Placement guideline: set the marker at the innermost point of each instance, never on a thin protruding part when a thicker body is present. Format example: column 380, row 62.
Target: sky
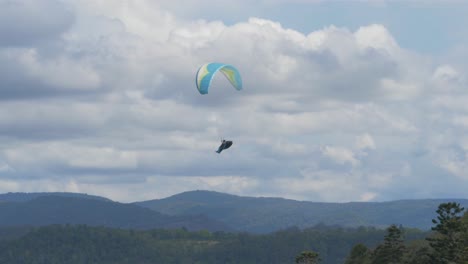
column 343, row 100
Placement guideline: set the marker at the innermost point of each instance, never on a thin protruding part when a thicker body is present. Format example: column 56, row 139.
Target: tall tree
column 448, row 239
column 392, row 249
column 308, row 257
column 464, row 254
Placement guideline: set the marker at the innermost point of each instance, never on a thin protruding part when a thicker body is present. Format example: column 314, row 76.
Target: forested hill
column 83, row 244
column 50, row 209
column 212, row 211
column 262, row 215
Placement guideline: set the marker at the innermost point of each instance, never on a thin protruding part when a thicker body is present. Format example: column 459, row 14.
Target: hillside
column 269, row 214
column 83, row 244
column 212, row 211
column 47, row 210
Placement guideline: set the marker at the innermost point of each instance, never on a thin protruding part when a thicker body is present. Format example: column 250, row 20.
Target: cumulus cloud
column 100, row 95
column 445, row 73
column 340, row 155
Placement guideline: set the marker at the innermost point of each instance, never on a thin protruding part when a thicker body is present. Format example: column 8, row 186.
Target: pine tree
column 447, row 241
column 392, row 250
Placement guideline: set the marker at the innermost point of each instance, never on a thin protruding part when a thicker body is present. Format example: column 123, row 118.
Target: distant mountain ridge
column 24, row 197
column 49, row 209
column 262, row 215
column 213, row 211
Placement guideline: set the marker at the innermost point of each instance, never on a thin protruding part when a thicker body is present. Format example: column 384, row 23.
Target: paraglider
column 206, row 73
column 225, row 144
column 204, row 77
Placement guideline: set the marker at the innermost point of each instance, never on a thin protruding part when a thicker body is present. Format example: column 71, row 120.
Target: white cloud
column 364, row 142
column 340, row 155
column 103, row 158
column 399, row 91
column 376, row 37
column 325, row 185
column 457, row 168
column 60, row 72
column 455, row 162
column 445, row 73
column 368, row 196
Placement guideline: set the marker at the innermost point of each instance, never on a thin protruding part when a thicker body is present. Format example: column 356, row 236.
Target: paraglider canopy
column 207, row 72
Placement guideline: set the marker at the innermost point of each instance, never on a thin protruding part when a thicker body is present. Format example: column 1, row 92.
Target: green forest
column 447, row 242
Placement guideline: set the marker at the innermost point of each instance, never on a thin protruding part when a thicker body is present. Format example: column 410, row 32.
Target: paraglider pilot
column 224, row 145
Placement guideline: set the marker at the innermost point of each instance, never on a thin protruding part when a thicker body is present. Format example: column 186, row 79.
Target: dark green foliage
column 83, row 244
column 464, row 240
column 308, row 257
column 392, row 250
column 417, row 252
column 447, row 244
column 14, row 232
column 360, row 254
column 448, row 241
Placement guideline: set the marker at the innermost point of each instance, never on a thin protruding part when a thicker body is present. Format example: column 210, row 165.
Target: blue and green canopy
column 207, row 72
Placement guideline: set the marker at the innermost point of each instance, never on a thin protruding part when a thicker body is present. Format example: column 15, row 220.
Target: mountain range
column 213, row 211
column 263, row 214
column 42, row 209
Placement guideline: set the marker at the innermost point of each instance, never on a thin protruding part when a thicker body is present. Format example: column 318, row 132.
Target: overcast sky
column 342, row 101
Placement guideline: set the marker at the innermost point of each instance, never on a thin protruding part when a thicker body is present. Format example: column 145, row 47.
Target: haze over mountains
column 213, row 211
